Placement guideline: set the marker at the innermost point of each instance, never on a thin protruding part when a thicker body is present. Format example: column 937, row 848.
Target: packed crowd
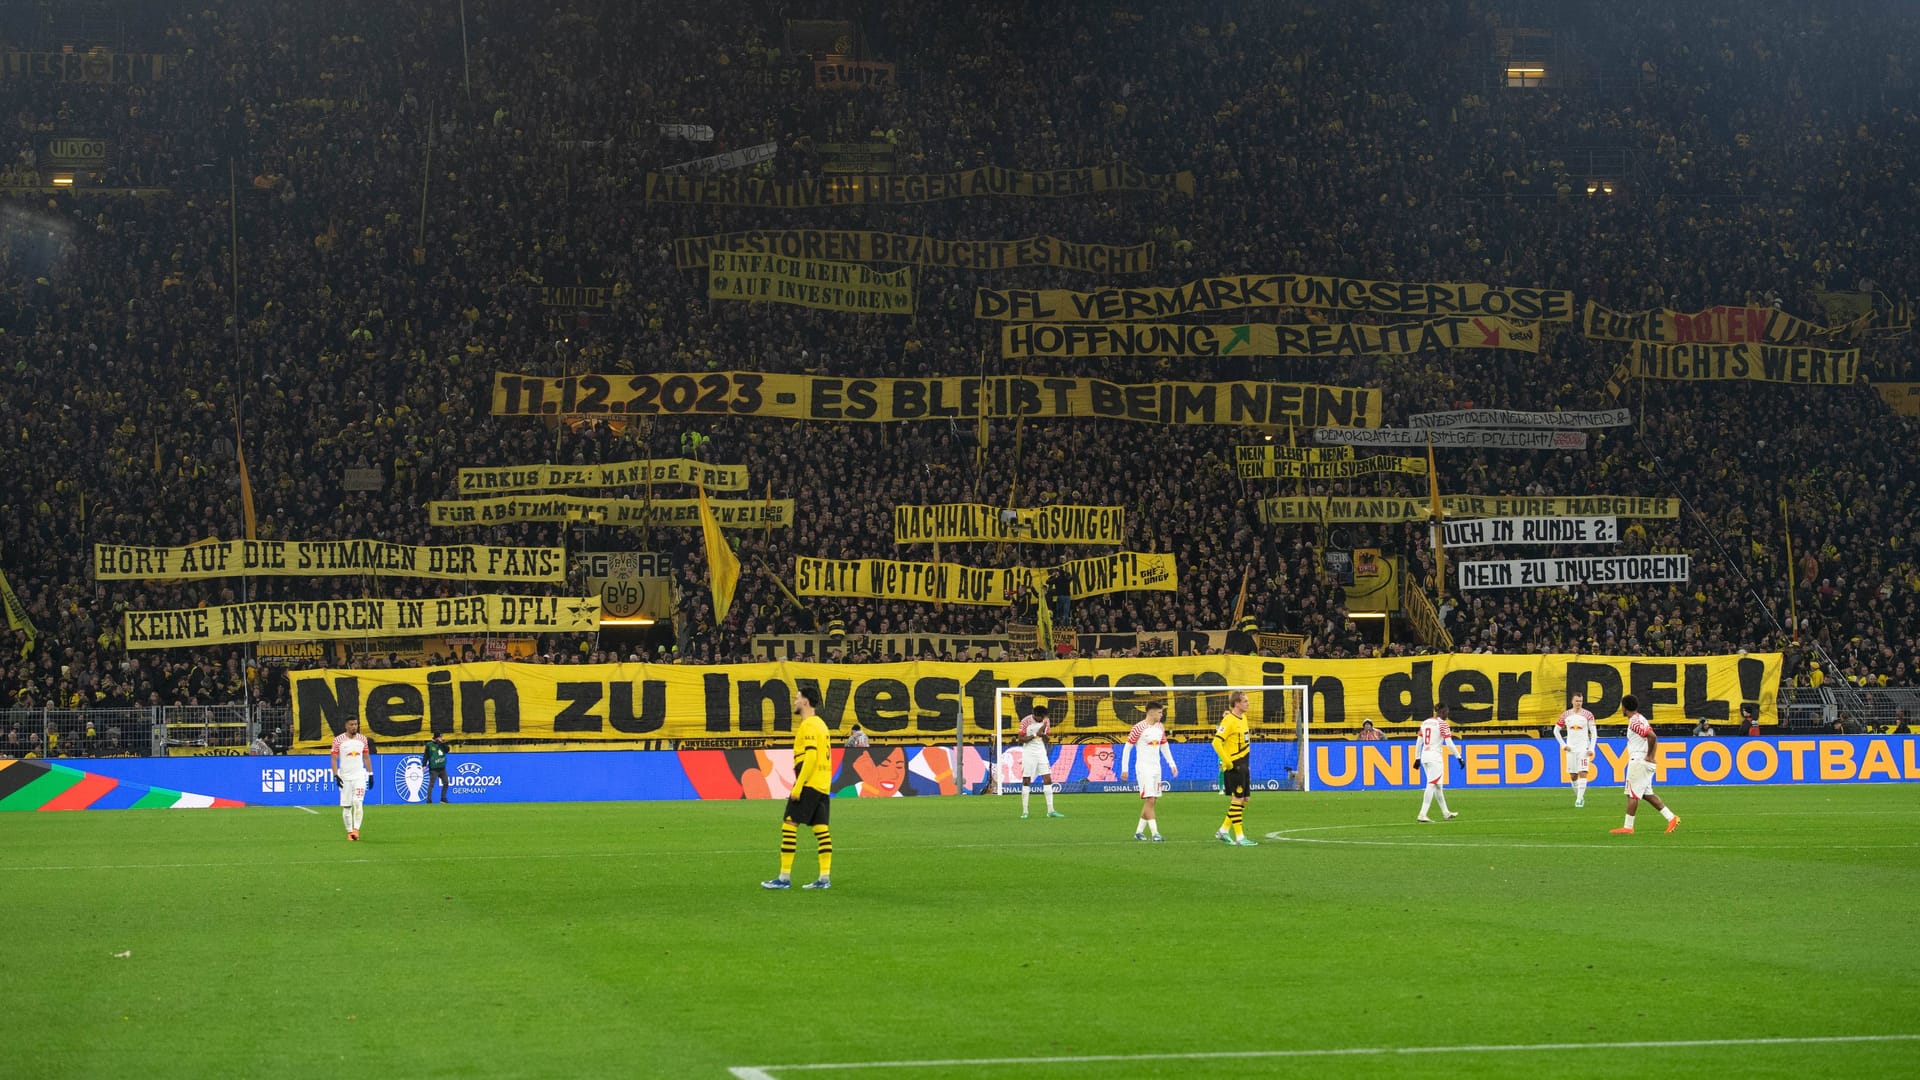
column 398, row 206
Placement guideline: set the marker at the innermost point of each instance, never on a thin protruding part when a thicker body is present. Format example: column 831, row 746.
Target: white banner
column 1452, row 437
column 1479, row 532
column 1546, row 573
column 732, row 159
column 1507, row 418
column 689, row 132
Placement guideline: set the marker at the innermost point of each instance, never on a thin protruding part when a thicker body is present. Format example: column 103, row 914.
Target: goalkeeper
column 1235, row 747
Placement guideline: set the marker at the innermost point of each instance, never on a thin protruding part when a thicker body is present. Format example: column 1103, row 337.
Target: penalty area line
column 767, row 1072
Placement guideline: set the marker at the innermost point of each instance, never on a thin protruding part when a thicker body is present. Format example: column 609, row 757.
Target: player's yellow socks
column 1227, row 822
column 824, row 837
column 1236, row 817
column 789, row 840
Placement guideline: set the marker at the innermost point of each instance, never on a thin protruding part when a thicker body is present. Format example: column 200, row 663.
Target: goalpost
column 1278, row 722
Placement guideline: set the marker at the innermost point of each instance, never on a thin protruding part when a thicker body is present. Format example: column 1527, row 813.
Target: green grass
column 634, row 940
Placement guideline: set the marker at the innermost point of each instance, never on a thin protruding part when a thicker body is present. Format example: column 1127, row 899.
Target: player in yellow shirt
column 810, row 799
column 1235, row 747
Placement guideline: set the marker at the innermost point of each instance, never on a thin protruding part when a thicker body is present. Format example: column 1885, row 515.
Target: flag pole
column 247, row 671
column 1793, row 601
column 1435, row 518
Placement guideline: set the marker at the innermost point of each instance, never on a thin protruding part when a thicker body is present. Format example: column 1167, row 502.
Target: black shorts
column 809, row 809
column 1237, row 781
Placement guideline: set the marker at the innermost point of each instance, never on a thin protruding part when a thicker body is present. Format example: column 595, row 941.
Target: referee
column 808, row 805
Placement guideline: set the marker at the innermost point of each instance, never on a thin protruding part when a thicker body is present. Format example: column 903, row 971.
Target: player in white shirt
column 1642, row 743
column 1150, row 735
column 1033, row 759
column 1574, row 732
column 352, row 770
column 1436, row 745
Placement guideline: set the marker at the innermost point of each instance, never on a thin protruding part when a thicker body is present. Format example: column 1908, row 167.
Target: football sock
column 1026, row 797
column 1440, row 796
column 1580, row 789
column 789, row 839
column 346, row 817
column 824, row 837
column 1226, row 823
column 1154, row 824
column 1426, row 800
column 1629, row 823
column 359, row 814
column 1140, row 826
column 1237, row 815
column 1667, row 813
column 1048, row 788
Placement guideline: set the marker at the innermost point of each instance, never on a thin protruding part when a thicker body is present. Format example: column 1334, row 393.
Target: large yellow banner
column 1267, row 339
column 904, row 189
column 323, row 558
column 1799, row 365
column 616, row 474
column 1207, row 296
column 1333, row 510
column 1722, row 325
column 948, row 523
column 732, row 514
column 869, row 246
column 951, row 583
column 1258, row 468
column 960, row 397
column 506, row 704
column 1901, row 397
column 321, row 620
column 809, row 283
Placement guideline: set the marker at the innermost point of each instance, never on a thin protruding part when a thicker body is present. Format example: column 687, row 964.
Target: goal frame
column 1301, row 710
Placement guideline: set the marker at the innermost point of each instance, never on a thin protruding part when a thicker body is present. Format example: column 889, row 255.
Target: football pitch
column 1772, row 936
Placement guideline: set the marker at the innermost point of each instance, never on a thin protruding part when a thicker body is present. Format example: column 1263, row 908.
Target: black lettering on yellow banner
column 327, row 558
column 620, row 474
column 1797, row 365
column 819, row 397
column 954, row 523
column 1329, row 510
column 810, row 283
column 1330, row 470
column 1723, row 325
column 952, row 583
column 1207, row 296
column 868, row 246
column 902, row 189
column 321, row 620
column 684, row 513
column 506, row 703
column 1266, row 339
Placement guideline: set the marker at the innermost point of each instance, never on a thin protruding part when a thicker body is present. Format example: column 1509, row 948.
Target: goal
column 1091, row 722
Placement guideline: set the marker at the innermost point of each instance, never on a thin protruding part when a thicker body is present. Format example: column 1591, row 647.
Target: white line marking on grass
column 308, row 809
column 766, row 1072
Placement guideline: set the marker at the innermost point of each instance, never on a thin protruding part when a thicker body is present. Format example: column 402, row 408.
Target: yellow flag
column 1439, row 548
column 723, row 567
column 246, row 484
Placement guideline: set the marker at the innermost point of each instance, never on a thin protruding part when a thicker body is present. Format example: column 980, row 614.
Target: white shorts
column 351, row 788
column 1640, row 778
column 1149, row 784
column 1435, row 766
column 1577, row 762
column 1033, row 762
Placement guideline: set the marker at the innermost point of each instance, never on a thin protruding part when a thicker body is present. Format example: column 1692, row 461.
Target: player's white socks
column 1426, row 800
column 346, row 817
column 1580, row 790
column 1026, row 796
column 1154, row 824
column 1666, row 813
column 1048, row 788
column 359, row 814
column 1440, row 796
column 1629, row 823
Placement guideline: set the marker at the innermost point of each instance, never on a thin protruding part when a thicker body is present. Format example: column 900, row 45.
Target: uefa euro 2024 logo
column 412, row 780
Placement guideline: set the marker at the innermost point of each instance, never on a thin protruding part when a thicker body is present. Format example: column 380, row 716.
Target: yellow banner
column 503, row 703
column 1314, row 455
column 619, row 474
column 960, row 397
column 321, row 620
column 1281, row 469
column 325, row 558
column 1799, row 365
column 949, row 523
column 1207, row 296
column 868, row 246
column 1332, row 510
column 809, row 283
column 838, row 73
column 951, row 583
column 1266, row 339
column 1901, row 397
column 1722, row 325
column 905, row 189
column 732, row 514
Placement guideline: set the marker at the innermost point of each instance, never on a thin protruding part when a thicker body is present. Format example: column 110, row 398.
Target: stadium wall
column 599, row 776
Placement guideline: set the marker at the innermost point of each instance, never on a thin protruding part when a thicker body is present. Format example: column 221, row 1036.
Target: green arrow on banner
column 1242, row 335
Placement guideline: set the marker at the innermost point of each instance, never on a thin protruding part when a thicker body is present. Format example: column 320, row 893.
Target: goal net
column 1091, row 724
